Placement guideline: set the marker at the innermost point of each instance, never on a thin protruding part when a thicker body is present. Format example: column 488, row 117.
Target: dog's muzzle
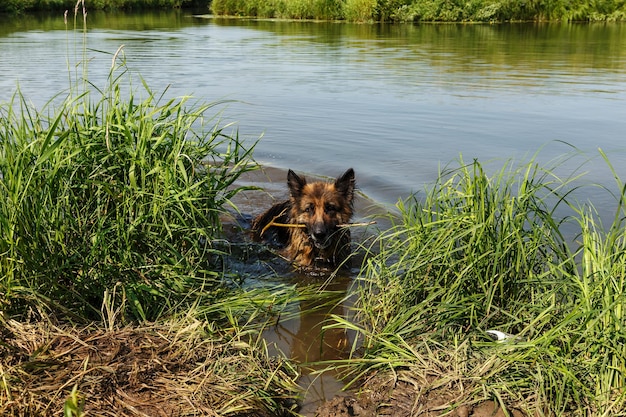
column 320, row 236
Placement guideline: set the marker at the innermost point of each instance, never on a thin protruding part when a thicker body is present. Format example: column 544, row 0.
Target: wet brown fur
column 321, row 207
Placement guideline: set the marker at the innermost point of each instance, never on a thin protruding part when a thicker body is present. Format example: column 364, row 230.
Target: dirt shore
column 403, row 396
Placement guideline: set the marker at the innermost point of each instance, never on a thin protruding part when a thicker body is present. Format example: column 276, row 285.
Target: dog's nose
column 319, row 232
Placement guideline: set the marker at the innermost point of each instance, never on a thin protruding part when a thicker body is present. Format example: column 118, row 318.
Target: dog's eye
column 309, row 209
column 330, row 208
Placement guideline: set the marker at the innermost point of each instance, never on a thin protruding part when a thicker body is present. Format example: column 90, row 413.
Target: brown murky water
column 307, row 342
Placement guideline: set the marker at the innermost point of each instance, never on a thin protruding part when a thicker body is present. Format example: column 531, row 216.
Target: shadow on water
column 301, row 334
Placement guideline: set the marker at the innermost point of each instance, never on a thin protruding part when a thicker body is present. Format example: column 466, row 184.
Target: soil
column 168, row 369
column 381, row 396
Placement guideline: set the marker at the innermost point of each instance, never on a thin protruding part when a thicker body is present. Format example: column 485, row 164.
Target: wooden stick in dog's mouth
column 300, row 225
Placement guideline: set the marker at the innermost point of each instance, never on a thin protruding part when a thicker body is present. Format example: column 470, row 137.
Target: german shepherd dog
column 315, row 214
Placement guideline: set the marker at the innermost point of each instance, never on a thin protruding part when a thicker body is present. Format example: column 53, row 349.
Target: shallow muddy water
column 395, row 102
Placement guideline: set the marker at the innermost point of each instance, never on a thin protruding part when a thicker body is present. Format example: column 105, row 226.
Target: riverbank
column 425, row 10
column 174, row 367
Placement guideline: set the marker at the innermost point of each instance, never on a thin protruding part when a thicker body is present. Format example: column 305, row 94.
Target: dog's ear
column 295, row 183
column 345, row 184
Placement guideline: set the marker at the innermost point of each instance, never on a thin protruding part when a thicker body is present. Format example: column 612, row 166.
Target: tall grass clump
column 359, row 10
column 471, row 248
column 598, row 299
column 480, row 253
column 112, row 191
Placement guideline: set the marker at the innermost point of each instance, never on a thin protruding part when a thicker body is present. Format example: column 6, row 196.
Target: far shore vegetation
column 426, row 10
column 365, row 10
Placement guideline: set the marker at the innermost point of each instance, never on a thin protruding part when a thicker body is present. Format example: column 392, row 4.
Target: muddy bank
column 166, row 369
column 404, row 395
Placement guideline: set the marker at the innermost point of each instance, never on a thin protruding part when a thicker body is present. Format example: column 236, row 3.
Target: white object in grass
column 499, row 336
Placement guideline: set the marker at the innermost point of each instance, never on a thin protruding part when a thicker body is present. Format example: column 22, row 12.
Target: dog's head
column 322, row 206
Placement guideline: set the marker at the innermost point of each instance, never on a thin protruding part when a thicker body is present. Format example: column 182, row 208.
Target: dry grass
column 172, row 369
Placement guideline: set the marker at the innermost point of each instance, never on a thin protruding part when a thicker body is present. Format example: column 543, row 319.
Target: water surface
column 393, row 101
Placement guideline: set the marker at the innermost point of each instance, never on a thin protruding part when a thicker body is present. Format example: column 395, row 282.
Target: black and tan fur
column 321, row 207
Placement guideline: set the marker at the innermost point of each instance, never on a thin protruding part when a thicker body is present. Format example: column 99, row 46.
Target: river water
column 395, row 102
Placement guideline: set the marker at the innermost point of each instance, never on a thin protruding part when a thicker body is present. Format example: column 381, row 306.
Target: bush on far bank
column 425, row 10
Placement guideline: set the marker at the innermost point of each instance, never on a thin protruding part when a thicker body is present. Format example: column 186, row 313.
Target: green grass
column 105, row 190
column 479, row 252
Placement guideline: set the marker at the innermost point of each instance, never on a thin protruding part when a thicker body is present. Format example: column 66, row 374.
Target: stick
column 273, row 223
column 270, row 224
column 356, row 224
column 299, row 225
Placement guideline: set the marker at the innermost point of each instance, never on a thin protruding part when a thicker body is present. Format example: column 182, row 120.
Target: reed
column 474, row 244
column 598, row 289
column 480, row 252
column 97, row 192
